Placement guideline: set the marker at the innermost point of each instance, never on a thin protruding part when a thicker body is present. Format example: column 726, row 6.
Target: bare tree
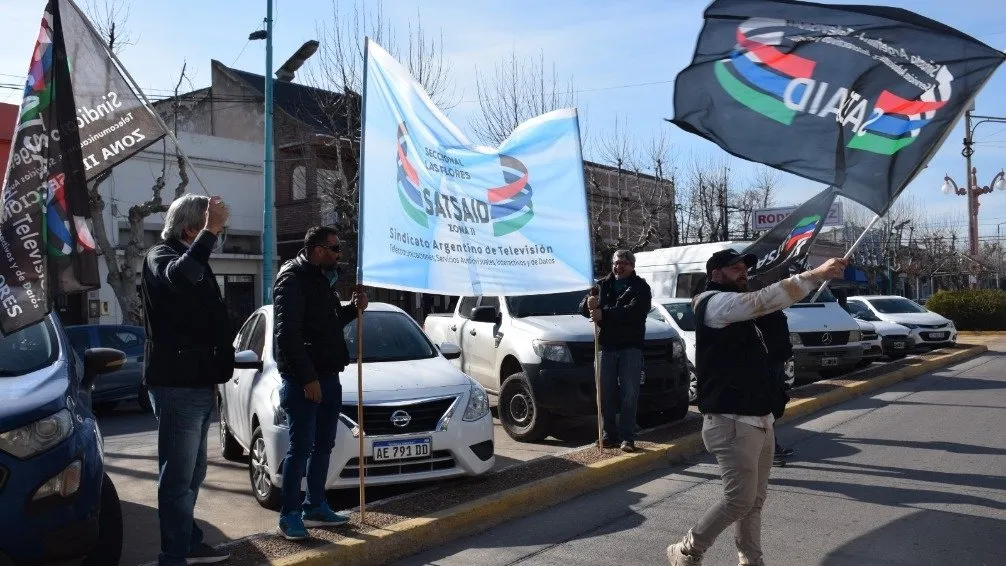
column 764, row 181
column 336, row 73
column 517, row 90
column 122, row 273
column 110, row 18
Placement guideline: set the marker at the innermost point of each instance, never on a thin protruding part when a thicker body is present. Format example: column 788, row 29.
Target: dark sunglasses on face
column 336, row 248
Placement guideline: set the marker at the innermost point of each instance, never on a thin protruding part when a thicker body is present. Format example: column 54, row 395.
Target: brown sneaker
column 677, row 557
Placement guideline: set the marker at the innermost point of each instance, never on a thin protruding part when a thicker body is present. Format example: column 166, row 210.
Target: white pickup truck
column 535, row 355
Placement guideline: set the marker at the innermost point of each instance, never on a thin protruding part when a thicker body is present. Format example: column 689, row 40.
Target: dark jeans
column 312, row 436
column 621, row 372
column 183, row 419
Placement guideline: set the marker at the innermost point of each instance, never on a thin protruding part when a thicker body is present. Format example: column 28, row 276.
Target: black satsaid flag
column 857, row 97
column 782, row 251
column 45, row 244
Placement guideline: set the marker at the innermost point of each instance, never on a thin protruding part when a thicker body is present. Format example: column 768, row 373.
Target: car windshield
column 683, row 315
column 896, row 306
column 826, row 297
column 863, row 314
column 545, row 305
column 28, row 349
column 389, row 337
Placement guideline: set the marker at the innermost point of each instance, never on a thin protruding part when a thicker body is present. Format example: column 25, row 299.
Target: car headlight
column 554, row 351
column 63, row 484
column 855, row 336
column 677, row 348
column 794, row 339
column 37, row 437
column 478, row 403
column 279, row 416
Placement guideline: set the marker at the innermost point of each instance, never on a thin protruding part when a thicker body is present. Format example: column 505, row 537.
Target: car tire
column 519, row 412
column 143, row 398
column 229, row 447
column 108, row 549
column 693, row 385
column 265, row 492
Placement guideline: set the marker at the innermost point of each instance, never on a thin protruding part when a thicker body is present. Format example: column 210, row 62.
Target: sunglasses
column 336, row 248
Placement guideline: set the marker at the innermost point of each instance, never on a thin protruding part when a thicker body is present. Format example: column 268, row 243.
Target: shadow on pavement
column 141, row 534
column 967, row 540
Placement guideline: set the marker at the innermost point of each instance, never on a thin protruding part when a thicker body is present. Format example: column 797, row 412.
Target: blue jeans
column 312, row 436
column 621, row 371
column 183, row 419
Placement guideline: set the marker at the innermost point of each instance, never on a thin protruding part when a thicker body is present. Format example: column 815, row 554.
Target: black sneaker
column 609, row 443
column 206, row 554
column 780, row 451
column 628, row 446
column 778, row 462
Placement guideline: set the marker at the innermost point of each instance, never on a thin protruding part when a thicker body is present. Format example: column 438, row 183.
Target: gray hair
column 626, row 255
column 186, row 213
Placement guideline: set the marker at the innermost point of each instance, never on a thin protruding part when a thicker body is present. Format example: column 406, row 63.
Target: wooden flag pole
column 359, row 403
column 594, row 292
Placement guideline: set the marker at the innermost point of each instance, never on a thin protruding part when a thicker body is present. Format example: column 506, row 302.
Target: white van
column 826, row 339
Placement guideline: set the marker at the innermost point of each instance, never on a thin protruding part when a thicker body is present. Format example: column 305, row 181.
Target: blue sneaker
column 323, row 516
column 291, row 527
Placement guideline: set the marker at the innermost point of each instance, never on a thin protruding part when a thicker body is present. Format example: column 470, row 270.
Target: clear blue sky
column 622, row 57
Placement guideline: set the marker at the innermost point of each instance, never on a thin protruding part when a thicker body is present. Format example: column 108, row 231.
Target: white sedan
column 926, row 327
column 423, row 418
column 678, row 313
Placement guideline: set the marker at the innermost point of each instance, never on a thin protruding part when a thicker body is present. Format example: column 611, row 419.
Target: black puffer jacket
column 309, row 321
column 623, row 315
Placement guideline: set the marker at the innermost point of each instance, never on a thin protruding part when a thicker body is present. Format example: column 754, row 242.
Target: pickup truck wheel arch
column 522, row 418
column 510, row 366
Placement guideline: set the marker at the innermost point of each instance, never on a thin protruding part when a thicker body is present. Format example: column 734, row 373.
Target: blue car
column 126, row 384
column 57, row 505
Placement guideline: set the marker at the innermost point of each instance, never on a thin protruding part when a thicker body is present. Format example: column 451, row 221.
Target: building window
column 299, row 183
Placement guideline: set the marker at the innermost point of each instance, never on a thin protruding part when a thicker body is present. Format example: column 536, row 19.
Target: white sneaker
column 677, row 557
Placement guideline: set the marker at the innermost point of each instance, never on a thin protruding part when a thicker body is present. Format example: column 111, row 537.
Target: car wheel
column 229, row 447
column 143, row 398
column 266, row 493
column 693, row 385
column 789, row 369
column 520, row 414
column 108, row 549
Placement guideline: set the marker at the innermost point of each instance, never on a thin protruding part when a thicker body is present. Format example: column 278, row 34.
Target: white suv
column 926, row 328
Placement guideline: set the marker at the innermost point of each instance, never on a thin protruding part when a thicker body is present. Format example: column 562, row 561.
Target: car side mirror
column 484, row 314
column 247, row 359
column 98, row 361
column 450, row 351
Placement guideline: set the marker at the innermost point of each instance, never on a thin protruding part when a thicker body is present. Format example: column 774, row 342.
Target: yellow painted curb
column 412, row 536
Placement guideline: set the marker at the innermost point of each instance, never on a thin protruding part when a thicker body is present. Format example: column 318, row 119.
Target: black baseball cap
column 727, row 257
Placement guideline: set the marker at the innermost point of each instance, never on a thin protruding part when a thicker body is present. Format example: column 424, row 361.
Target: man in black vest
column 774, row 328
column 188, row 352
column 736, row 395
column 620, row 313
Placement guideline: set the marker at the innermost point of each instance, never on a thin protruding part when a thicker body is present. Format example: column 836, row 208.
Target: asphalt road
column 914, row 475
column 226, row 509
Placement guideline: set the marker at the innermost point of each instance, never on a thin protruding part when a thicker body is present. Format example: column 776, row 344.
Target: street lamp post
column 973, row 190
column 285, row 73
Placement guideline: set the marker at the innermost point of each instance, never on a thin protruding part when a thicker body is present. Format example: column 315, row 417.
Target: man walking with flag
column 736, row 395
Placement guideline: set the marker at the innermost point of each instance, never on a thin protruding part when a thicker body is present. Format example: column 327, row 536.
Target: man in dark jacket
column 619, row 311
column 737, row 395
column 310, row 353
column 188, row 352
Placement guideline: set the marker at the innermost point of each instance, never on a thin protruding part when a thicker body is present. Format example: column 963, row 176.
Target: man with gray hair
column 619, row 310
column 188, row 352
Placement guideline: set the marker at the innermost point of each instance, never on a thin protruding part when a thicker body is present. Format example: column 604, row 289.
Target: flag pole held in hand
column 359, row 401
column 594, row 292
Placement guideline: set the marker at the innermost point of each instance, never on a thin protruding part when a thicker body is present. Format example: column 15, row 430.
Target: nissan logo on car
column 400, row 418
column 825, row 339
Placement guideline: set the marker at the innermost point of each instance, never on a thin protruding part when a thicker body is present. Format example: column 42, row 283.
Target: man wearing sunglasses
column 310, row 352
